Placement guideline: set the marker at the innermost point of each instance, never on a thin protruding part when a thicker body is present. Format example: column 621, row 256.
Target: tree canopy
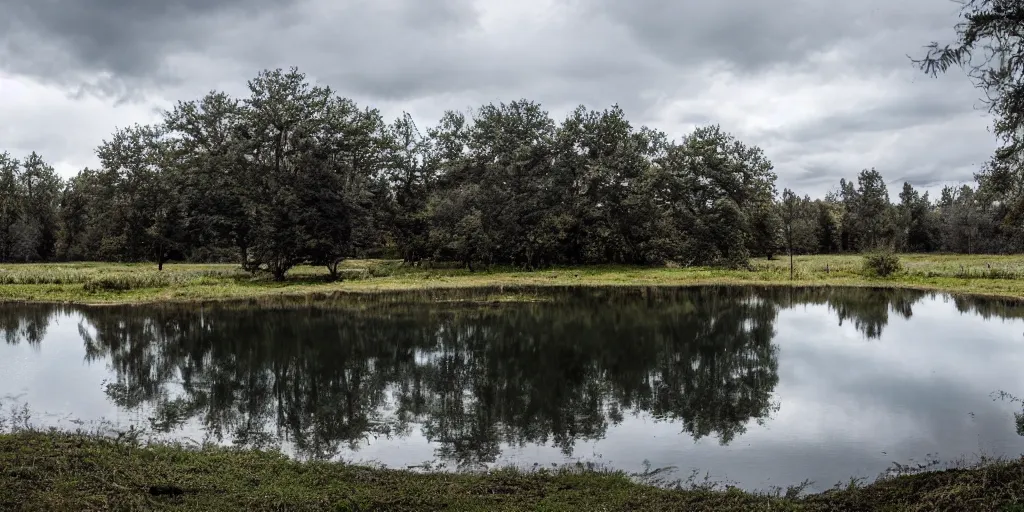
column 293, row 173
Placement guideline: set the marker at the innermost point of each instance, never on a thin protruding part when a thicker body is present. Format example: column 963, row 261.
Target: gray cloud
column 755, row 36
column 897, row 112
column 426, row 57
column 116, row 47
column 106, row 43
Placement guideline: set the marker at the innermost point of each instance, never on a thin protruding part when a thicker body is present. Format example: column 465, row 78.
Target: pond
column 755, row 387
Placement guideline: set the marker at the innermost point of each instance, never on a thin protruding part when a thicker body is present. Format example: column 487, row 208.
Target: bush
column 882, row 264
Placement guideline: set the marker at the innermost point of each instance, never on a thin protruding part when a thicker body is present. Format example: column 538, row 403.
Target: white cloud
column 62, row 128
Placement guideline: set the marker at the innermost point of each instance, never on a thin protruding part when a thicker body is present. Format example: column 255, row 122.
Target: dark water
column 756, row 386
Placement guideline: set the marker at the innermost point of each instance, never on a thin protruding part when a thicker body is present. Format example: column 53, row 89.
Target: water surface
column 755, row 386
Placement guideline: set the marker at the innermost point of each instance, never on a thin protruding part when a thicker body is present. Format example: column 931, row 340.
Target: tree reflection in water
column 471, row 373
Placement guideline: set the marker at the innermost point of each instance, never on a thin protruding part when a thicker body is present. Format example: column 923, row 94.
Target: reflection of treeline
column 867, row 308
column 474, row 378
column 25, row 322
column 472, row 373
column 990, row 308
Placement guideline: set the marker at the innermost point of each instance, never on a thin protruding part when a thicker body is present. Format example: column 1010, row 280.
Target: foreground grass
column 56, row 471
column 107, row 283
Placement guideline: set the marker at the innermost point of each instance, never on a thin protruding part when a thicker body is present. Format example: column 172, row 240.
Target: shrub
column 882, row 264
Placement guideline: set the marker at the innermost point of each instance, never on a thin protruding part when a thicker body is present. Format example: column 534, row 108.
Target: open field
column 111, row 283
column 56, row 471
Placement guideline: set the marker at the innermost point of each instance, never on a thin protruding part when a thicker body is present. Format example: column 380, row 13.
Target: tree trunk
column 789, row 245
column 243, row 252
column 332, row 268
column 160, row 257
column 279, row 269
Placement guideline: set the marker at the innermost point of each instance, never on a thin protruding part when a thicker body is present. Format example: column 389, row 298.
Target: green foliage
column 882, row 264
column 988, row 47
column 29, row 194
column 293, row 174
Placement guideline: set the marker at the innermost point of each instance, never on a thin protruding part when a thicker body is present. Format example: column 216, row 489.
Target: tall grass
column 141, row 280
column 97, row 278
column 960, row 266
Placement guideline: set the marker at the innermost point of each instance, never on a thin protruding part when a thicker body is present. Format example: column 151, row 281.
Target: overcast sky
column 824, row 87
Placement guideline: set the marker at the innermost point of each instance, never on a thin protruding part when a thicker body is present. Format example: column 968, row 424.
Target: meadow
column 116, row 283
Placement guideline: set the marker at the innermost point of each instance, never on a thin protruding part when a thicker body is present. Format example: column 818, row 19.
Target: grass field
column 53, row 471
column 108, row 283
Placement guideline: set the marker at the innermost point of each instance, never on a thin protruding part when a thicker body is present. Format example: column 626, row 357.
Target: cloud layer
column 824, row 91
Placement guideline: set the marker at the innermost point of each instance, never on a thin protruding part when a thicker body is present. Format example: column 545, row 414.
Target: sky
column 824, row 88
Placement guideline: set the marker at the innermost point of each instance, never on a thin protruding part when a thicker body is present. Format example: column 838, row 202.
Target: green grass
column 108, row 283
column 60, row 471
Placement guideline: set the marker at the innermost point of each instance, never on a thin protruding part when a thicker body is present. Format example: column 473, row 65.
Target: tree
column 10, row 204
column 989, row 47
column 606, row 195
column 872, row 207
column 283, row 124
column 915, row 219
column 828, row 230
column 41, row 188
column 210, row 168
column 335, row 197
column 75, row 217
column 511, row 156
column 789, row 217
column 850, row 235
column 961, row 220
column 146, row 218
column 10, row 208
column 412, row 182
column 716, row 186
column 765, row 226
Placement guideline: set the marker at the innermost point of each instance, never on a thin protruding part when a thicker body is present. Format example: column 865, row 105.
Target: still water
column 755, row 387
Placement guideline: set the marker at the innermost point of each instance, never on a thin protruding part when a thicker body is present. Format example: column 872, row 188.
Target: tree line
column 296, row 174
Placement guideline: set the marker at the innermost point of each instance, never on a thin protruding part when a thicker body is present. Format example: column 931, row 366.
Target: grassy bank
column 106, row 283
column 53, row 471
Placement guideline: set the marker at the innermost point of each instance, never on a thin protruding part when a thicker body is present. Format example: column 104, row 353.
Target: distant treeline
column 295, row 174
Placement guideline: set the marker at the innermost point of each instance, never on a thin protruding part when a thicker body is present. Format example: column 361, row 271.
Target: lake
column 749, row 386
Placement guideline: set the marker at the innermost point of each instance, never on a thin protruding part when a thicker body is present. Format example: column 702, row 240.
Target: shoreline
column 138, row 284
column 327, row 292
column 65, row 471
